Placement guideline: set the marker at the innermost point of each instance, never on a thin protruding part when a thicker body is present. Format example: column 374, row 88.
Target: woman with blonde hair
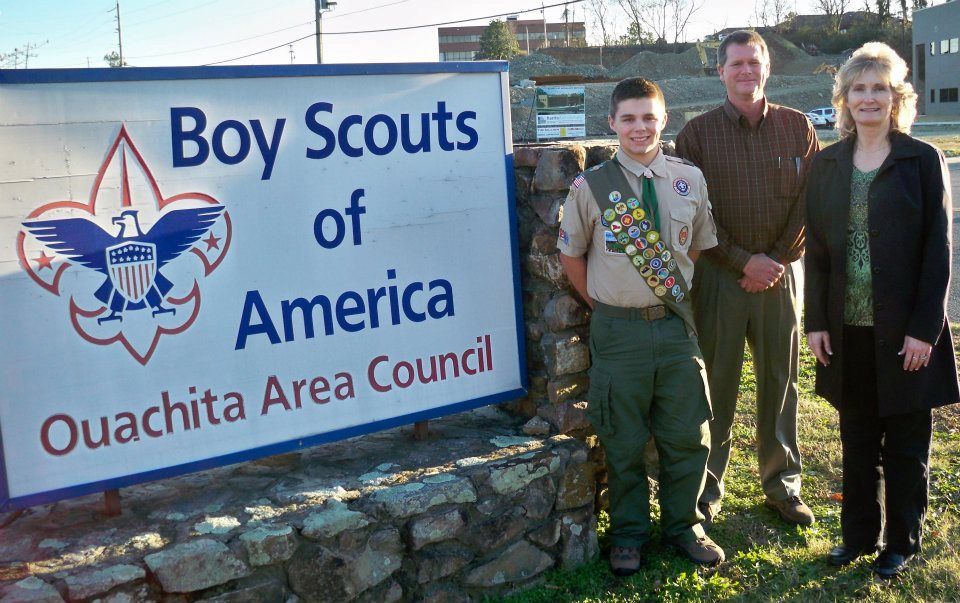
column 878, row 269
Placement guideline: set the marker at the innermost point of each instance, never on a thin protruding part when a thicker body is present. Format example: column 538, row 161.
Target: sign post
column 202, row 266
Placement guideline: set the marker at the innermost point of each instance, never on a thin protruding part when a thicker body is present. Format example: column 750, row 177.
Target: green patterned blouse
column 858, row 306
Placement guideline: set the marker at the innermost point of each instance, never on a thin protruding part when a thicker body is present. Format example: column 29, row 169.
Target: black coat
column 909, row 220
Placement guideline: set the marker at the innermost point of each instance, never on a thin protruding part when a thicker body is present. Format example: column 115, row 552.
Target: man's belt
column 649, row 313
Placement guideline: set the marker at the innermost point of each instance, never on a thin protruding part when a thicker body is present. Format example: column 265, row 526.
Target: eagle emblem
column 120, row 244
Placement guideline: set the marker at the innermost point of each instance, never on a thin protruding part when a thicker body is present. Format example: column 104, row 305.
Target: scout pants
column 647, row 378
column 726, row 315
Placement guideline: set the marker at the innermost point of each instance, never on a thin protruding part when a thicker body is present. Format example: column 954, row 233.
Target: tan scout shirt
column 685, row 223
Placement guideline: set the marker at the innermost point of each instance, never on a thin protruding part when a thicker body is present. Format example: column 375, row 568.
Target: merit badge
column 615, row 197
column 672, row 265
column 645, row 225
column 670, row 282
column 663, row 273
column 604, row 222
column 626, row 219
column 682, row 187
column 609, row 215
column 645, row 271
column 622, row 238
column 634, row 232
column 648, row 253
column 660, row 291
column 620, row 208
column 641, row 243
column 659, row 247
column 682, row 236
column 610, row 244
column 638, row 260
column 665, row 256
column 639, row 214
column 679, row 297
column 630, row 250
column 655, row 263
column 675, row 291
column 616, row 227
column 653, row 281
column 633, row 203
column 653, row 236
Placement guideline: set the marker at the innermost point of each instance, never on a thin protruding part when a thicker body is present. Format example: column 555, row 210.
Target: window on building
column 948, row 95
column 944, row 46
column 933, row 95
column 458, row 56
column 458, row 39
column 933, row 49
column 954, row 45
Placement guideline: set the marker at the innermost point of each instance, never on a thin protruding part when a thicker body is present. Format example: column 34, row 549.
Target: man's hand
column 760, row 267
column 819, row 342
column 915, row 353
column 752, row 286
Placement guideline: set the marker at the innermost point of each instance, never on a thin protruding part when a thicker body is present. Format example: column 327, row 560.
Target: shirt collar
column 737, row 117
column 657, row 167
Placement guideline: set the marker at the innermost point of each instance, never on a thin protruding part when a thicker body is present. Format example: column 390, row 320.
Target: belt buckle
column 655, row 313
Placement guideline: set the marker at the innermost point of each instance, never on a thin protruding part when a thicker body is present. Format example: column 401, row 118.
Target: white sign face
column 207, row 265
column 560, row 112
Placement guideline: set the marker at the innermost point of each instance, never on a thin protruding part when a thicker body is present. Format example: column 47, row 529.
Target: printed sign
column 560, row 112
column 200, row 266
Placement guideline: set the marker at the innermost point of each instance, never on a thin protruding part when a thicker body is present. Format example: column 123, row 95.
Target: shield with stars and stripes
column 132, row 266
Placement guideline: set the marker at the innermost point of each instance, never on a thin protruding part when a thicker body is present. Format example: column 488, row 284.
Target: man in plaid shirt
column 754, row 155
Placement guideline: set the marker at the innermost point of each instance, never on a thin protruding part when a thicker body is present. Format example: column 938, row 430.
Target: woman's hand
column 915, row 353
column 819, row 342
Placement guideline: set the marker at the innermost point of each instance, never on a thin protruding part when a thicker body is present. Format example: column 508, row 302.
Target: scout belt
column 635, row 230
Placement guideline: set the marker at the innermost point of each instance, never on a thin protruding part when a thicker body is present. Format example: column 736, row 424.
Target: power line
column 389, row 29
column 268, row 33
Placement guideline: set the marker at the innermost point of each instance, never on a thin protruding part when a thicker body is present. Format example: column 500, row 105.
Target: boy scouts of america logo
column 682, row 187
column 128, row 253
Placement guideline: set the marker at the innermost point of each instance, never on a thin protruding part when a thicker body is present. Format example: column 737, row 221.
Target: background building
column 463, row 43
column 936, row 58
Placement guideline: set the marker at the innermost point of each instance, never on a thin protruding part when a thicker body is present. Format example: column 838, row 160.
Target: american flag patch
column 564, row 237
column 577, row 181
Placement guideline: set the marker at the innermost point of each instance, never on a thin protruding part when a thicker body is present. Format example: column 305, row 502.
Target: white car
column 829, row 114
column 818, row 121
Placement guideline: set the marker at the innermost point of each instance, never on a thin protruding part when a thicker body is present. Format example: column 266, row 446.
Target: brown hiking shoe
column 709, row 512
column 625, row 560
column 791, row 510
column 702, row 551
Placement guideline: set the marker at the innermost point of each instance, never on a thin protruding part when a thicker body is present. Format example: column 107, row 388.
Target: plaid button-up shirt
column 755, row 177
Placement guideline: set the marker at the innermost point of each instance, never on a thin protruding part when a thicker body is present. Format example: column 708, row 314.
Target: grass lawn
column 768, row 560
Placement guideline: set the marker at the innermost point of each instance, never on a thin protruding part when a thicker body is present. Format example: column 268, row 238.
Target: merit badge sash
column 636, row 226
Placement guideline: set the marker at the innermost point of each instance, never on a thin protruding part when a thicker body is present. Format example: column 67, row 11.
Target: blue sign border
column 131, row 74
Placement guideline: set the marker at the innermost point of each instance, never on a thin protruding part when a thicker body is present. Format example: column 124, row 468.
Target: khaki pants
column 648, row 378
column 726, row 316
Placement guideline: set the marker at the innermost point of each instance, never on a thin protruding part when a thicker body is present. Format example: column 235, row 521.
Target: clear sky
column 76, row 33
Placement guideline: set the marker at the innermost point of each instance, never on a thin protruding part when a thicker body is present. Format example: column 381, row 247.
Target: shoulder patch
column 596, row 167
column 676, row 159
column 577, row 182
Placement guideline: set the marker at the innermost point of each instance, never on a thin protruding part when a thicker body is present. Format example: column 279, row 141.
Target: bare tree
column 834, row 9
column 883, row 11
column 600, row 9
column 761, row 12
column 682, row 10
column 661, row 17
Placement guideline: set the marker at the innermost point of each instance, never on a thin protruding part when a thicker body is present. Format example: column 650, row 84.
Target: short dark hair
column 634, row 87
column 745, row 37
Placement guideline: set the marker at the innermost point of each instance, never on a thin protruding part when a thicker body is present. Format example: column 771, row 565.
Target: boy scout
column 629, row 233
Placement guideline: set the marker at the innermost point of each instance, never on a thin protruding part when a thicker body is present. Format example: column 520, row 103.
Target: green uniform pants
column 726, row 315
column 648, row 378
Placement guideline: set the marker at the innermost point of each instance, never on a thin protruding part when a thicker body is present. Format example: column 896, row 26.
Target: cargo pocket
column 598, row 402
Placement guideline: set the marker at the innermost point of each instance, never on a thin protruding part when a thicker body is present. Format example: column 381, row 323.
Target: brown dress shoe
column 702, row 551
column 625, row 560
column 791, row 510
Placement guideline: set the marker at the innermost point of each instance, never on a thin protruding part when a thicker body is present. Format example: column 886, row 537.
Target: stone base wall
column 472, row 511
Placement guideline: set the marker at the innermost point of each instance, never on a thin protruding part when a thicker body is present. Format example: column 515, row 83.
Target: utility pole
column 321, row 6
column 290, row 46
column 543, row 13
column 566, row 22
column 119, row 34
